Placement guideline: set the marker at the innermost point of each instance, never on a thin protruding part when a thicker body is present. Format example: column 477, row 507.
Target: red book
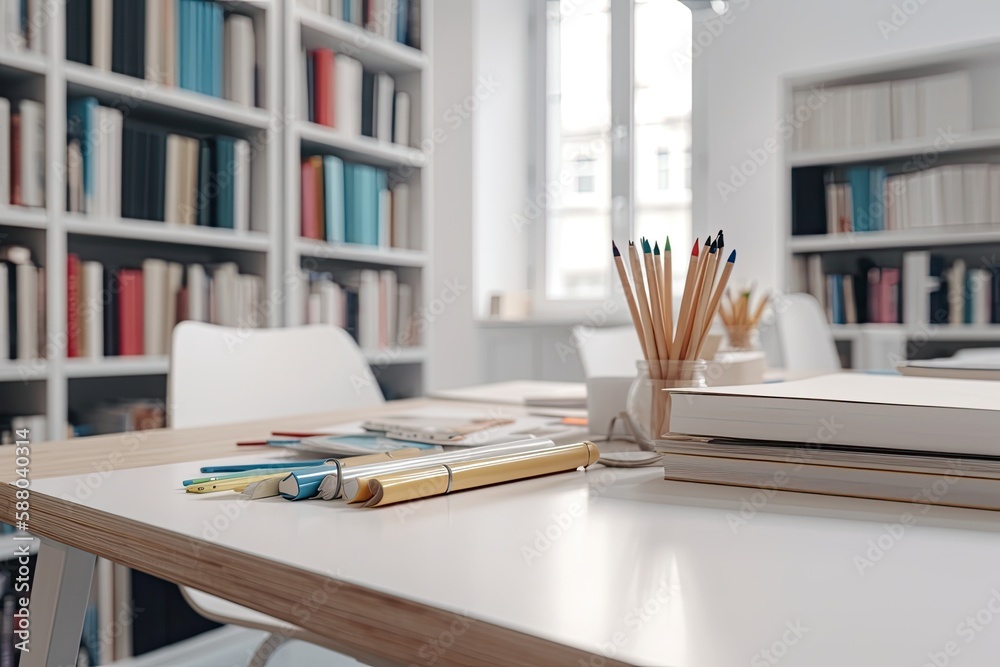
column 130, row 312
column 15, row 160
column 73, row 306
column 310, row 225
column 323, row 86
column 890, row 296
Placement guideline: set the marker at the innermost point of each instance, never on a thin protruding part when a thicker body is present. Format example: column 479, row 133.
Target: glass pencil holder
column 647, row 407
column 743, row 337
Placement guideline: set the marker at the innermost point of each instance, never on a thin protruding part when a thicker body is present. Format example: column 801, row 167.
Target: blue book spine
column 371, row 206
column 970, row 296
column 333, row 173
column 381, row 183
column 860, row 182
column 218, row 19
column 350, row 203
column 80, row 121
column 878, row 198
column 402, row 16
column 203, row 59
column 184, row 34
column 347, row 10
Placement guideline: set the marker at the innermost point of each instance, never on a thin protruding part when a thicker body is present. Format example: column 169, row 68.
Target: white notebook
column 850, row 409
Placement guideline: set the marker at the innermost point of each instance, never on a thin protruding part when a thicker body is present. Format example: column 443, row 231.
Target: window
column 687, row 169
column 663, row 169
column 585, row 174
column 616, row 102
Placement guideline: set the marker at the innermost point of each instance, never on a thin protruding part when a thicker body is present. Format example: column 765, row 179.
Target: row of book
column 882, row 112
column 863, row 199
column 121, row 167
column 129, row 311
column 192, row 44
column 20, row 25
column 22, row 305
column 373, row 306
column 22, row 153
column 343, row 202
column 340, row 94
column 398, row 20
column 928, row 289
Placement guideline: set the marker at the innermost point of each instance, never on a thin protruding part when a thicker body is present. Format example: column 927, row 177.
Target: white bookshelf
column 981, row 143
column 52, row 233
column 401, row 369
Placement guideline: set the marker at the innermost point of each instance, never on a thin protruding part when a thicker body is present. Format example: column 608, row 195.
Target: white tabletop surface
column 624, row 564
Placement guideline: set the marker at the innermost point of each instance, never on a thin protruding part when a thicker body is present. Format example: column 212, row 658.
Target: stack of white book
column 882, row 112
column 909, row 439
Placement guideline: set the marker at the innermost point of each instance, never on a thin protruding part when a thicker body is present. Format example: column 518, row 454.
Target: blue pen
column 277, row 465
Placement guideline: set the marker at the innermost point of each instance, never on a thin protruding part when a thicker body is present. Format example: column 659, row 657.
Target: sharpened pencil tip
column 666, row 245
column 708, row 241
column 645, row 246
column 694, row 250
column 614, row 249
column 656, row 248
column 732, row 257
column 721, row 239
column 714, row 248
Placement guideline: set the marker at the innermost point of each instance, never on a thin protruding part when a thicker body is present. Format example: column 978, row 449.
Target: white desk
column 581, row 566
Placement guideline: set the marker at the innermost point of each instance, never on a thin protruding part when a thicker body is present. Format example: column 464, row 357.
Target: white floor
column 230, row 646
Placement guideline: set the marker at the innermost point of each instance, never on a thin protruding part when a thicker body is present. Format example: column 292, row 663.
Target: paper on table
column 447, row 478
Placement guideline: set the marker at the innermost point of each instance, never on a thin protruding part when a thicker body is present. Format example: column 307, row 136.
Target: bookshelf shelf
column 971, row 141
column 903, row 238
column 17, row 216
column 19, row 371
column 398, row 355
column 146, row 230
column 374, row 52
column 358, row 149
column 116, row 366
column 118, row 89
column 21, row 62
column 942, row 332
column 362, row 254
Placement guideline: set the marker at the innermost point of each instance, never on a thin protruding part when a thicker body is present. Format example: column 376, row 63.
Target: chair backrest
column 607, row 352
column 220, row 375
column 802, row 336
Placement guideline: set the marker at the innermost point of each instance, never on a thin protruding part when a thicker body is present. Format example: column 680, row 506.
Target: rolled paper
column 305, row 480
column 332, row 486
column 449, row 477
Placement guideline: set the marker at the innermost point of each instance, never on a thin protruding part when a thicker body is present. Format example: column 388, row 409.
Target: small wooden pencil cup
column 648, row 403
column 743, row 337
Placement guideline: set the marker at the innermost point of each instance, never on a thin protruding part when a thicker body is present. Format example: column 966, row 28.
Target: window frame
column 622, row 191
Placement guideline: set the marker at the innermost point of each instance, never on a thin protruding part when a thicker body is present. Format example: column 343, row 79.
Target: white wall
column 502, row 146
column 453, row 349
column 738, row 87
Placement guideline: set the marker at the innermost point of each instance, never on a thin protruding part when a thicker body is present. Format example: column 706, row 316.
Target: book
column 849, row 409
column 955, row 368
column 73, row 296
column 131, row 332
column 31, row 153
column 239, row 60
column 102, row 20
column 401, row 119
column 323, row 95
column 92, row 304
column 963, row 490
column 5, row 152
column 347, row 111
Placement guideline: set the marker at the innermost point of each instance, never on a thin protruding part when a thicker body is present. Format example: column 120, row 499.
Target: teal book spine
column 80, row 123
column 333, row 173
column 371, row 206
column 350, row 203
column 860, row 181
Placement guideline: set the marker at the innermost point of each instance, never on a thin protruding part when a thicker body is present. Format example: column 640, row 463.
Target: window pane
column 578, row 156
column 662, row 148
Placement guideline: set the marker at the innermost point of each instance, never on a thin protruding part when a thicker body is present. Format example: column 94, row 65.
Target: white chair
column 221, row 375
column 607, row 352
column 799, row 339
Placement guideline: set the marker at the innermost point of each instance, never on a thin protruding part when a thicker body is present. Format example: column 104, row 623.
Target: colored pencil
column 717, row 298
column 653, row 289
column 633, row 309
column 704, row 296
column 685, row 312
column 644, row 312
column 667, row 296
